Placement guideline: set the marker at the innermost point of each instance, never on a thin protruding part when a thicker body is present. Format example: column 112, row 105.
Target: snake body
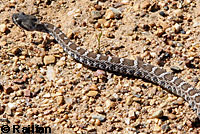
column 136, row 68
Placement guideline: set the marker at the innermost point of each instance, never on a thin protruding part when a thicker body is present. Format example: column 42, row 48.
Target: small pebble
column 196, row 22
column 93, row 87
column 183, row 32
column 61, row 62
column 8, row 90
column 157, row 114
column 79, row 66
column 165, row 128
column 127, row 121
column 60, row 81
column 129, row 100
column 15, row 51
column 107, row 24
column 47, row 95
column 125, row 2
column 145, row 4
column 99, row 109
column 99, row 117
column 60, row 100
column 97, row 122
column 70, row 33
column 2, row 109
column 92, row 93
column 50, row 73
column 166, row 8
column 131, row 114
column 96, row 14
column 180, row 101
column 176, row 69
column 176, row 28
column 116, row 11
column 12, row 106
column 27, row 93
column 99, row 73
column 156, row 128
column 3, row 28
column 162, row 13
column 109, row 14
column 19, row 81
column 109, row 104
column 91, row 128
column 112, row 13
column 49, row 59
column 110, row 128
column 178, row 12
column 3, row 43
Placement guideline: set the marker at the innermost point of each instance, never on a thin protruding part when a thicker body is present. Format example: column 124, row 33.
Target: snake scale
column 136, row 68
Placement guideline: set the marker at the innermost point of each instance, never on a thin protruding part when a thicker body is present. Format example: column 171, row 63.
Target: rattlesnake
column 136, row 68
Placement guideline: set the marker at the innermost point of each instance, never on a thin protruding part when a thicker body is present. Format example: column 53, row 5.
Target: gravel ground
column 42, row 85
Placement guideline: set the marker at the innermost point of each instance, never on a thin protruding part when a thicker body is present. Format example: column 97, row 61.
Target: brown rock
column 157, row 114
column 99, row 109
column 61, row 62
column 109, row 14
column 109, row 104
column 3, row 28
column 61, row 110
column 176, row 28
column 178, row 12
column 27, row 93
column 70, row 33
column 129, row 100
column 60, row 100
column 159, row 32
column 180, row 101
column 93, row 87
column 92, row 93
column 132, row 114
column 49, row 59
column 145, row 4
column 91, row 128
column 8, row 90
column 2, row 109
column 156, row 128
column 99, row 73
column 96, row 14
column 97, row 122
column 18, row 81
column 101, row 21
column 40, row 79
column 3, row 43
column 171, row 116
column 107, row 24
column 15, row 51
column 97, row 25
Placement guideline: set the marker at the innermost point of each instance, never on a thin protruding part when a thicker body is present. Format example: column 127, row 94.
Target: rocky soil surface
column 41, row 85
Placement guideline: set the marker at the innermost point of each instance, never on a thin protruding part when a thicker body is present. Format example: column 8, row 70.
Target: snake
column 135, row 68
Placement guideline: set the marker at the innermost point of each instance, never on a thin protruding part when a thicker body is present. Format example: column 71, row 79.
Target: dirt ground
column 41, row 85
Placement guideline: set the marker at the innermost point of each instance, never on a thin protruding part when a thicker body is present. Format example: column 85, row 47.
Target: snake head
column 27, row 22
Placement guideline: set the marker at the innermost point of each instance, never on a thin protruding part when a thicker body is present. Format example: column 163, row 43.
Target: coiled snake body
column 129, row 67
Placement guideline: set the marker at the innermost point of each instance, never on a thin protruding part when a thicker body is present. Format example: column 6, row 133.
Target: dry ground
column 42, row 85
